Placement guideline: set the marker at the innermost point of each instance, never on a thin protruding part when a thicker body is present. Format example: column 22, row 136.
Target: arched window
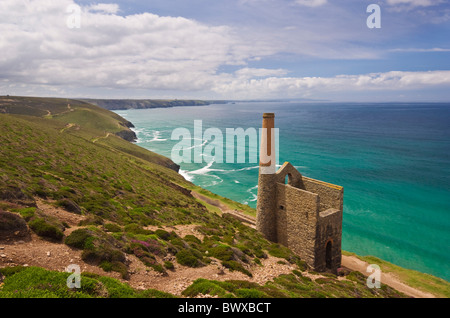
column 288, row 179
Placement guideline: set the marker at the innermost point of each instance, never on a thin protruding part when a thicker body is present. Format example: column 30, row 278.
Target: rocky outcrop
column 128, row 135
column 172, row 165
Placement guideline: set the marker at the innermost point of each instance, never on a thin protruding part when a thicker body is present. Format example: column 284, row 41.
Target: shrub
column 163, row 234
column 205, row 287
column 46, row 230
column 78, row 238
column 250, row 293
column 102, row 253
column 192, row 239
column 280, row 251
column 236, row 266
column 116, row 267
column 136, row 229
column 10, row 222
column 186, row 258
column 153, row 293
column 169, row 265
column 178, row 242
column 302, row 265
column 27, row 213
column 9, row 271
column 91, row 220
column 297, row 273
column 222, row 252
column 112, row 227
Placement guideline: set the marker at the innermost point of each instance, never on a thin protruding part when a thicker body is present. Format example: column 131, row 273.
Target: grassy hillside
column 133, row 207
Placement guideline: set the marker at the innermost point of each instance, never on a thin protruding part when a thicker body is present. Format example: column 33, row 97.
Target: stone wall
column 304, row 215
column 329, row 231
column 297, row 219
column 330, row 195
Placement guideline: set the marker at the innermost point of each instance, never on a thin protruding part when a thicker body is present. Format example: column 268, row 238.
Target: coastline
column 177, row 205
column 350, row 260
column 380, row 209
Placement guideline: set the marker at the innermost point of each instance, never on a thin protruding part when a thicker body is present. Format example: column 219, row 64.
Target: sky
column 227, row 49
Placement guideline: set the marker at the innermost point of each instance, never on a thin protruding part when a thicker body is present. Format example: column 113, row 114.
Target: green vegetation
column 290, row 286
column 45, row 229
column 35, row 282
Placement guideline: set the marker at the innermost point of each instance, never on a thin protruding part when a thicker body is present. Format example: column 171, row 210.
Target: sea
column 393, row 160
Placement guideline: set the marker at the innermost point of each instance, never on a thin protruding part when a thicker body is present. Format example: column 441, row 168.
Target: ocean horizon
column 391, row 158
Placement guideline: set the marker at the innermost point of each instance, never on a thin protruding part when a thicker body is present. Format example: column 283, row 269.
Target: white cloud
column 151, row 53
column 414, row 3
column 143, row 51
column 311, row 3
column 110, row 8
column 435, row 49
column 409, row 5
column 259, row 72
column 290, row 87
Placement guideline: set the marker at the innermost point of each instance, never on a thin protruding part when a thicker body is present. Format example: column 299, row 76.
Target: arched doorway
column 328, row 258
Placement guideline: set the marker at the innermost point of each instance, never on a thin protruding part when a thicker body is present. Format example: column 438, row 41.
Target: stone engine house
column 298, row 212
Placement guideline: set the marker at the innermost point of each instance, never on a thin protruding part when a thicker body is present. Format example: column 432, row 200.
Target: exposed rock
column 128, row 135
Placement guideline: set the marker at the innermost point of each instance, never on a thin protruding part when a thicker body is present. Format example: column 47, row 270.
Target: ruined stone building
column 299, row 212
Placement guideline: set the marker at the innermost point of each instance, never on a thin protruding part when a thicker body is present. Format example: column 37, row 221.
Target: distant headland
column 120, row 104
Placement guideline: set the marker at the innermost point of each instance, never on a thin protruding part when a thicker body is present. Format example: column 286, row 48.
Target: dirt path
column 250, row 221
column 355, row 264
column 102, row 137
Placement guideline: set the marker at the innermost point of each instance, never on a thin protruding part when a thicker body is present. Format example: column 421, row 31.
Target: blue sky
column 227, row 49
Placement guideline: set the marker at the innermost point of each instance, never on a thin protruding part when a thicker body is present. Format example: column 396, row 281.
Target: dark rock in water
column 172, row 165
column 127, row 124
column 128, row 135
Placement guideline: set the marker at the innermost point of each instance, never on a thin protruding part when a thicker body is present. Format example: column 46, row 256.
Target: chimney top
column 269, row 115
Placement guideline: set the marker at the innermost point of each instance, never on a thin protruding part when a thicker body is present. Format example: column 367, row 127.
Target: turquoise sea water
column 393, row 161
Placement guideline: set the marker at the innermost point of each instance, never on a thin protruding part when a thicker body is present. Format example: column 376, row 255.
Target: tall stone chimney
column 266, row 204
